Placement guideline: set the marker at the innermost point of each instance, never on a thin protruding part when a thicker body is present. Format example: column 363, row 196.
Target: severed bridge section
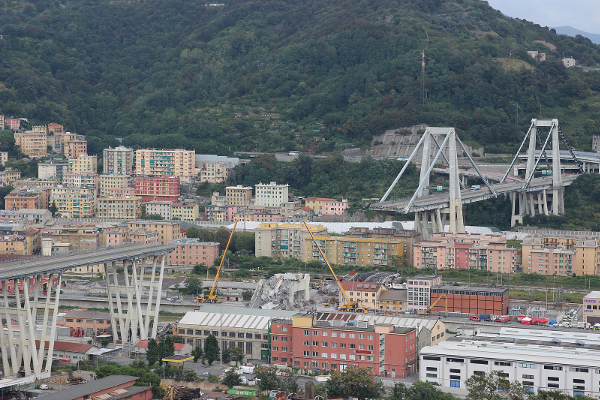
column 31, row 287
column 531, row 195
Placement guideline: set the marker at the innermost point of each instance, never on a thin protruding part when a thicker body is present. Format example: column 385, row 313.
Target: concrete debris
column 284, row 292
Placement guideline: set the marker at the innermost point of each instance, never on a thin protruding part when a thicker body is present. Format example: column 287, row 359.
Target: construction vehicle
column 428, row 310
column 212, row 297
column 348, row 305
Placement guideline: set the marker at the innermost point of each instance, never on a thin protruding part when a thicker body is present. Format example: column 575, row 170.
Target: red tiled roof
column 361, row 286
column 67, row 346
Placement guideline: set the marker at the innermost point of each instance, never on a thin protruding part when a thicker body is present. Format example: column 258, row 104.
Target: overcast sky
column 580, row 14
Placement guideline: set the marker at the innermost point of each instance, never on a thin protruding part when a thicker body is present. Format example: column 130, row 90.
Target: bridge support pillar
column 23, row 309
column 130, row 317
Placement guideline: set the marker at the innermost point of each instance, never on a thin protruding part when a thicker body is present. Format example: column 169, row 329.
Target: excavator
column 348, row 305
column 212, row 297
column 428, row 310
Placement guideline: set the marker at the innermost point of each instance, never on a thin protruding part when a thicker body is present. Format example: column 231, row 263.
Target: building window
column 482, row 362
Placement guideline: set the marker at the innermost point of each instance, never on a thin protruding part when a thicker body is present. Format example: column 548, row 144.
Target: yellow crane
column 349, row 305
column 212, row 297
column 428, row 310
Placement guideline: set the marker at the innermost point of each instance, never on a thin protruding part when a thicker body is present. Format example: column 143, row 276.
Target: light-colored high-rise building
column 118, row 161
column 177, row 162
column 157, row 207
column 52, row 170
column 283, row 240
column 32, row 143
column 168, row 230
column 214, row 172
column 185, row 212
column 84, row 165
column 270, row 194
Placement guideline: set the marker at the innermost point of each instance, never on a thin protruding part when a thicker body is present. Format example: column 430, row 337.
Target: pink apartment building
column 465, row 251
column 191, row 251
column 552, row 261
column 325, row 206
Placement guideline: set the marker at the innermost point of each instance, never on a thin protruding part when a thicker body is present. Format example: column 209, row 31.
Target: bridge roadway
column 439, row 201
column 44, row 265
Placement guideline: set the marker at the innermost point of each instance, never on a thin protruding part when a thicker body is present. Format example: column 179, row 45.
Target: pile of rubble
column 283, row 292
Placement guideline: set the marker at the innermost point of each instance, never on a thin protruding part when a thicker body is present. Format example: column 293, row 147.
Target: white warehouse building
column 567, row 364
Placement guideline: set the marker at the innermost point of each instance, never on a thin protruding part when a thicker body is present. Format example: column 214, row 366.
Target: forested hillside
column 288, row 75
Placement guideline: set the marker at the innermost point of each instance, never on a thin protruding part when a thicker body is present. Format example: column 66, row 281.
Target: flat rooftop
column 452, row 288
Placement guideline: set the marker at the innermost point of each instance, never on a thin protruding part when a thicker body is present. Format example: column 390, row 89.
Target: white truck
column 246, row 369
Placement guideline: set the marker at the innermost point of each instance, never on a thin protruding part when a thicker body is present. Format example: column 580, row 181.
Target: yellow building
column 185, row 212
column 238, row 195
column 355, row 250
column 74, row 202
column 15, row 245
column 84, row 165
column 32, row 143
column 167, row 231
column 392, row 300
column 11, row 176
column 214, row 172
column 108, row 182
column 283, row 240
column 177, row 162
column 128, row 207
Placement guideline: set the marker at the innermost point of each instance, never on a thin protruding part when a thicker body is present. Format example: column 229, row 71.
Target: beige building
column 118, row 161
column 157, row 207
column 214, row 172
column 578, row 255
column 109, row 182
column 11, row 176
column 365, row 293
column 119, row 207
column 177, row 162
column 238, row 195
column 283, row 240
column 52, row 170
column 185, row 212
column 75, row 148
column 3, row 157
column 168, row 231
column 32, row 143
column 15, row 245
column 84, row 165
column 74, row 202
column 270, row 194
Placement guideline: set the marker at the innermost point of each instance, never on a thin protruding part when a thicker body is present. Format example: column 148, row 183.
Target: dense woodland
column 272, row 75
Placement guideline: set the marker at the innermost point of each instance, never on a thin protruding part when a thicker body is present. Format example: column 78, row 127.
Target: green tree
column 153, row 352
column 204, row 235
column 246, row 295
column 197, row 353
column 211, row 349
column 193, row 285
column 418, row 391
column 192, row 232
column 222, row 236
column 104, row 342
column 167, row 347
column 231, row 379
column 356, row 382
column 236, row 355
column 268, row 377
column 493, row 386
column 53, row 209
column 199, row 269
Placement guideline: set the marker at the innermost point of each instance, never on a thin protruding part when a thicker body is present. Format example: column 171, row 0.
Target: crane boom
column 329, row 265
column 428, row 310
column 214, row 286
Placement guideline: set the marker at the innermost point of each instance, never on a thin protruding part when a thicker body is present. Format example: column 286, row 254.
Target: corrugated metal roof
column 239, row 320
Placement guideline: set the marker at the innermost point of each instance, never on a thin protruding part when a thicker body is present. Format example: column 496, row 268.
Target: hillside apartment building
column 179, row 162
column 561, row 255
